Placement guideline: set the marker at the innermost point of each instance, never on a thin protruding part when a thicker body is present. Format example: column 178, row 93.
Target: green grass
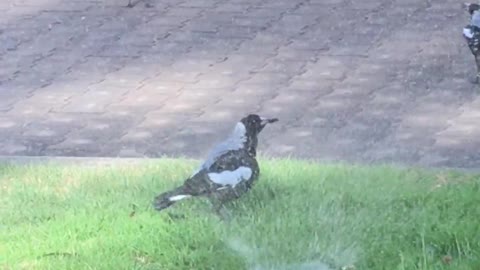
column 299, row 216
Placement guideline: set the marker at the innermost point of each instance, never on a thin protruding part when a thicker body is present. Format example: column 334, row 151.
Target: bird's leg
column 235, row 193
column 219, row 208
column 223, row 213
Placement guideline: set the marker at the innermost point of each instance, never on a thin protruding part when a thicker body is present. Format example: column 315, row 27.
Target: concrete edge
column 122, row 161
column 72, row 161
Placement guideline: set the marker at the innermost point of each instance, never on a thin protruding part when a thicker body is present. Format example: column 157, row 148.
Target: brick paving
column 359, row 81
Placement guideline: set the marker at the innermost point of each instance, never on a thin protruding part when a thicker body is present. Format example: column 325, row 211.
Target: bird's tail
column 168, row 198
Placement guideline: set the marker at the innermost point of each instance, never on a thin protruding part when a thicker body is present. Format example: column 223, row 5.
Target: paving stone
column 13, row 148
column 232, row 7
column 235, row 103
column 89, row 102
column 361, row 82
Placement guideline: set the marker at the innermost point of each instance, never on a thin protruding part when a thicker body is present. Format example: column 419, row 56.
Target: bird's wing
column 218, row 151
column 231, row 178
column 468, row 32
column 472, row 35
column 215, row 153
column 234, row 142
column 230, row 169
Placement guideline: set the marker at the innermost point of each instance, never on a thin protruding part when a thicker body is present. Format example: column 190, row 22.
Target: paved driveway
column 364, row 81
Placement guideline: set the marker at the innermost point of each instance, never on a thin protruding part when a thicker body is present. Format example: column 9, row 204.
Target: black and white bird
column 229, row 170
column 471, row 33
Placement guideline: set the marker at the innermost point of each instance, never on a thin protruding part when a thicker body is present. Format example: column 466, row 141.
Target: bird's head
column 471, row 8
column 248, row 129
column 254, row 123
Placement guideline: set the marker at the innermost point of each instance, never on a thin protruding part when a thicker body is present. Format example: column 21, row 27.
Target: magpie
column 471, row 33
column 229, row 170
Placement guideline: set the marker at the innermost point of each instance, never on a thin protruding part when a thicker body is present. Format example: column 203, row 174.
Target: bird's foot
column 271, row 193
column 176, row 216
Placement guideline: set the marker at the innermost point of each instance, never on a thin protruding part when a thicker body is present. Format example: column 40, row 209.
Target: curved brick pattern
column 364, row 81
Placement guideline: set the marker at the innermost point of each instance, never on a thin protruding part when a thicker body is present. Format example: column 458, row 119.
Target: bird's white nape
column 476, row 18
column 239, row 132
column 231, row 178
column 178, row 198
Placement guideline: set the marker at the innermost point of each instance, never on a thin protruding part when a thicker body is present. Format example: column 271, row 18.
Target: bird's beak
column 265, row 121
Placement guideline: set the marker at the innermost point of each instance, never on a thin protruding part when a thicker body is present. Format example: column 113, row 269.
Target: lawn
column 299, row 216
